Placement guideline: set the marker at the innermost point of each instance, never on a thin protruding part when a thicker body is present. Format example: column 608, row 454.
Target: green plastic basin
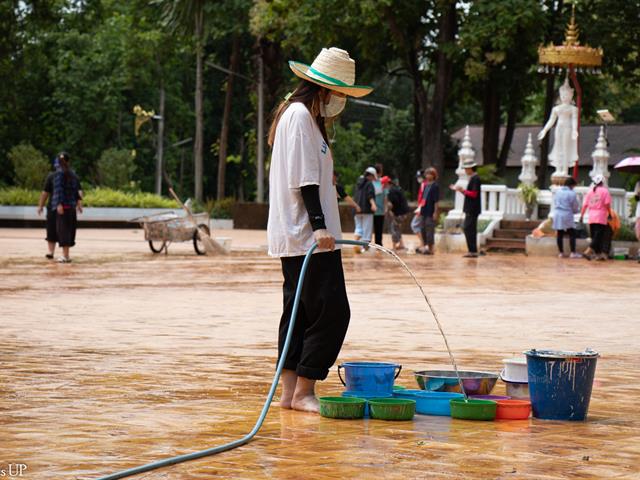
column 473, row 409
column 392, row 408
column 342, row 407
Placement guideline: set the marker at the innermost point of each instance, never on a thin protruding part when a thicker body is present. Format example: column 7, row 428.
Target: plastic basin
column 473, row 409
column 475, row 383
column 513, row 409
column 392, row 408
column 365, row 396
column 430, row 403
column 342, row 407
column 490, row 397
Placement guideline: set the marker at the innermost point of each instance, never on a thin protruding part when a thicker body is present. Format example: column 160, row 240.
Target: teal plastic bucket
column 560, row 383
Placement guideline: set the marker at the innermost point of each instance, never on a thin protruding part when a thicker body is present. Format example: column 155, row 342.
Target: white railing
column 619, row 201
column 501, row 202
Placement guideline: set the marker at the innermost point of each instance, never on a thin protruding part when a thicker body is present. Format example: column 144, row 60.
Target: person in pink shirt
column 598, row 202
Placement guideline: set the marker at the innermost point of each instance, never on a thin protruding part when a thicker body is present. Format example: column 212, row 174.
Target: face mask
column 334, row 107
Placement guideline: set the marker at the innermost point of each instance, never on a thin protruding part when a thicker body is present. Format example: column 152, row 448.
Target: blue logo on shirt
column 324, row 147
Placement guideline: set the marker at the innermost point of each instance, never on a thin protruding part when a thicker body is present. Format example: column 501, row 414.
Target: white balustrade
column 500, row 202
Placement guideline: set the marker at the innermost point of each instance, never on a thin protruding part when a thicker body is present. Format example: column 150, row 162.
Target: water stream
column 433, row 311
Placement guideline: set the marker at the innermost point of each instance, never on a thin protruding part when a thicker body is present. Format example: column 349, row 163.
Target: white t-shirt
column 300, row 157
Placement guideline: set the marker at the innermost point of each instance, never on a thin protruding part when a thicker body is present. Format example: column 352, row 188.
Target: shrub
column 626, row 233
column 16, row 196
column 107, row 197
column 488, row 175
column 30, row 166
column 529, row 193
column 116, row 168
column 219, row 208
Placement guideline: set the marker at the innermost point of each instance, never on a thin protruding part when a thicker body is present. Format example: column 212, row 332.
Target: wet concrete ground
column 123, row 357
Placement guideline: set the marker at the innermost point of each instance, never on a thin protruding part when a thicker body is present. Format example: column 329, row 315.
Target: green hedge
column 98, row 197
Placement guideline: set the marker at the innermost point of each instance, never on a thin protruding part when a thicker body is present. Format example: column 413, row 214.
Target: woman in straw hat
column 303, row 209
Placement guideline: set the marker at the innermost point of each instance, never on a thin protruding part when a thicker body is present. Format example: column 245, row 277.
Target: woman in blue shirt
column 566, row 206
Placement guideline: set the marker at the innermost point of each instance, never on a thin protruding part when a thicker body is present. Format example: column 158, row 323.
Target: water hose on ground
column 276, row 378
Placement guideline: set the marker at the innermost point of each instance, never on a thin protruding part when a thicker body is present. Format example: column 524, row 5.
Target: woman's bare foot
column 307, row 403
column 304, row 398
column 288, row 380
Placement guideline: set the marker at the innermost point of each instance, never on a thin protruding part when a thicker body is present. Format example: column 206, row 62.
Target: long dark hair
column 307, row 93
column 65, row 164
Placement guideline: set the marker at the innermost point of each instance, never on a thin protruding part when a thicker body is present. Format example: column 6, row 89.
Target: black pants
column 597, row 236
column 378, row 226
column 66, row 227
column 572, row 239
column 52, row 232
column 323, row 314
column 470, row 228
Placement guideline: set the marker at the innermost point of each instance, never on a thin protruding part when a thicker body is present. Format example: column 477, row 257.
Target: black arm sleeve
column 311, row 198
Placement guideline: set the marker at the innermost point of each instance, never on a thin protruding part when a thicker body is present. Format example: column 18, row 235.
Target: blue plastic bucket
column 560, row 383
column 430, row 403
column 369, row 377
column 365, row 396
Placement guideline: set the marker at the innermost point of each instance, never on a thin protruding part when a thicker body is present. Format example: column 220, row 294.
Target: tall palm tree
column 188, row 17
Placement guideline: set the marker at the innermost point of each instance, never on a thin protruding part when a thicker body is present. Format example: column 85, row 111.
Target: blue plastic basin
column 430, row 403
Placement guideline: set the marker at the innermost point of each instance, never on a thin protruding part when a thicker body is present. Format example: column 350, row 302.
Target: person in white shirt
column 303, row 210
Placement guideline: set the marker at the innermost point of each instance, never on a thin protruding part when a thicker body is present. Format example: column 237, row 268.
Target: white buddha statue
column 565, row 146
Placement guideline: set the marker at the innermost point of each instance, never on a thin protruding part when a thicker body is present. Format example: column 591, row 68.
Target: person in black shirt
column 45, row 197
column 343, row 196
column 429, row 210
column 398, row 208
column 366, row 199
column 472, row 207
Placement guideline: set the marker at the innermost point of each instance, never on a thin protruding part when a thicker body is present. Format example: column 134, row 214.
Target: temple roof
column 622, row 138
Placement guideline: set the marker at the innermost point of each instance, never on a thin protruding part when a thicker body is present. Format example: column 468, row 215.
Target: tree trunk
column 226, row 116
column 491, row 123
column 199, row 135
column 512, row 115
column 419, row 93
column 160, row 144
column 544, row 145
column 433, row 150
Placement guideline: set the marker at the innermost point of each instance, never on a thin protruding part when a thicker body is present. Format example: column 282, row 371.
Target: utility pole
column 260, row 146
column 160, row 151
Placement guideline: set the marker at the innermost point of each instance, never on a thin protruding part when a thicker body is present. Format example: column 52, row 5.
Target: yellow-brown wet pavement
column 122, row 358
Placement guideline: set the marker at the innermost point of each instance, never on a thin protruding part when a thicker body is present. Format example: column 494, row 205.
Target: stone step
column 510, row 244
column 519, row 224
column 510, row 233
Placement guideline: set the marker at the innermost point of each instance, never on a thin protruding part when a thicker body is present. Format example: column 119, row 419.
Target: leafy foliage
column 17, row 196
column 29, row 165
column 116, row 168
column 529, row 193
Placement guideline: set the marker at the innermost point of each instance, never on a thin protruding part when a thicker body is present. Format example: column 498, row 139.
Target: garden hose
column 276, row 378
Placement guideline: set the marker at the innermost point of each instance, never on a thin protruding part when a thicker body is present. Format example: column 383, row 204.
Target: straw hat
column 469, row 163
column 332, row 69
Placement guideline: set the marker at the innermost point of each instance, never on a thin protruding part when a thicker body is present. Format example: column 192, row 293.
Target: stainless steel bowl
column 475, row 383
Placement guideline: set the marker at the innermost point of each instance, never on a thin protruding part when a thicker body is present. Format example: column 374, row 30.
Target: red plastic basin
column 513, row 409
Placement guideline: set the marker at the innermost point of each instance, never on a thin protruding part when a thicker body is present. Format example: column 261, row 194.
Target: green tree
column 30, row 166
column 116, row 168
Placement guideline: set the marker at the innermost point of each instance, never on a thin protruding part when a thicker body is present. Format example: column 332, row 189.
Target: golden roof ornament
column 557, row 58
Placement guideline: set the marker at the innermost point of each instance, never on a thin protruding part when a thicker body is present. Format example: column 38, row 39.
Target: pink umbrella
column 629, row 165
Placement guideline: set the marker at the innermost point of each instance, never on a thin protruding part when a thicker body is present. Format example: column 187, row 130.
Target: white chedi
column 465, row 154
column 529, row 161
column 600, row 157
column 564, row 153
